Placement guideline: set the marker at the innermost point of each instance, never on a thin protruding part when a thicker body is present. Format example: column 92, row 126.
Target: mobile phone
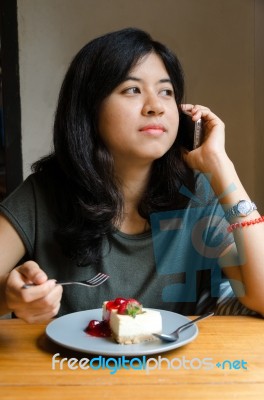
column 190, row 133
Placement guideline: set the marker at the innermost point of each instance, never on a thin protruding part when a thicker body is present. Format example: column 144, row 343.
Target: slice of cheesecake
column 130, row 322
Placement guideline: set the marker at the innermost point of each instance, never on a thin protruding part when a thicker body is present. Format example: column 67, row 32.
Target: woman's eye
column 167, row 92
column 131, row 90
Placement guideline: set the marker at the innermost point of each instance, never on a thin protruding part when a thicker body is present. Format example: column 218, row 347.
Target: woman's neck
column 133, row 183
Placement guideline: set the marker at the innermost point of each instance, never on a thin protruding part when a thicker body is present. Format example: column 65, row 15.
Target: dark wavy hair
column 91, row 202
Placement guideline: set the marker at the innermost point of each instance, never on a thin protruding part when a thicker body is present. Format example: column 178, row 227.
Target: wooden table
column 26, row 366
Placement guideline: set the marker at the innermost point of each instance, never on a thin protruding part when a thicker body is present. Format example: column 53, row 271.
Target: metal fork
column 174, row 336
column 97, row 280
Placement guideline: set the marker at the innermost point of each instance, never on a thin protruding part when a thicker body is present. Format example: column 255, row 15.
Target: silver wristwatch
column 241, row 209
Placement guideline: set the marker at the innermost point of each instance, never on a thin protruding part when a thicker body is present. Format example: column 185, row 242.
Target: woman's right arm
column 36, row 304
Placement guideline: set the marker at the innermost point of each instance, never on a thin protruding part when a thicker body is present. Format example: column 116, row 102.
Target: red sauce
column 115, row 304
column 102, row 328
column 98, row 328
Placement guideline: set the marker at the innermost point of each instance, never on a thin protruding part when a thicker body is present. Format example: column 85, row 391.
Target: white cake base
column 127, row 330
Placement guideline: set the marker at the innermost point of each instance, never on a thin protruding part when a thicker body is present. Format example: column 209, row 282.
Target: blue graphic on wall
column 190, row 240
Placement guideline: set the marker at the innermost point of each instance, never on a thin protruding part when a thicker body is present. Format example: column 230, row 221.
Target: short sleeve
column 19, row 209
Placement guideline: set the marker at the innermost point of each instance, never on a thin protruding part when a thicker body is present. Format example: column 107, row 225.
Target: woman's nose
column 152, row 106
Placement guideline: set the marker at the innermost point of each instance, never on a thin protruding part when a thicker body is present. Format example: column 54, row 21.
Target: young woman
column 121, row 195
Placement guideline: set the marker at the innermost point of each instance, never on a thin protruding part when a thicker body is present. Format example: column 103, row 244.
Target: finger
column 18, row 297
column 37, row 292
column 197, row 107
column 186, row 107
column 47, row 302
column 199, row 111
column 28, row 302
column 44, row 308
column 195, row 111
column 42, row 317
column 203, row 112
column 32, row 272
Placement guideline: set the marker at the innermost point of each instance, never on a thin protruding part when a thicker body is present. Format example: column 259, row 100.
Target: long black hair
column 92, row 201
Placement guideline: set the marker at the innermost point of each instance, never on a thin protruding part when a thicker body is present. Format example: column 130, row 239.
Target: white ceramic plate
column 68, row 331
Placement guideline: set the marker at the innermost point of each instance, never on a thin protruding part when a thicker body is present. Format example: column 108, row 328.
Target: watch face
column 244, row 207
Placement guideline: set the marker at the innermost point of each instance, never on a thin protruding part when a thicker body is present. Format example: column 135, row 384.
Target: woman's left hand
column 212, row 149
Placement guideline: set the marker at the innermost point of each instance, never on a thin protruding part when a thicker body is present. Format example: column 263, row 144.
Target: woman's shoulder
column 39, row 187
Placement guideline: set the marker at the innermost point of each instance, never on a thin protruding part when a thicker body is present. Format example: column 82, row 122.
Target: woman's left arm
column 245, row 263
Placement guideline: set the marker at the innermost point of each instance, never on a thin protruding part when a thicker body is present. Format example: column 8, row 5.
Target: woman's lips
column 154, row 130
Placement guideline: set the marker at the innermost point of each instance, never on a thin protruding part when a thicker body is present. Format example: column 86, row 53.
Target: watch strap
column 234, row 211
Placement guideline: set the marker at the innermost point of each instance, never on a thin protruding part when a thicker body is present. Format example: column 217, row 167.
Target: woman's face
column 139, row 120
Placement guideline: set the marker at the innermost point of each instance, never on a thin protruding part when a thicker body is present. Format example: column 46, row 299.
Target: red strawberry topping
column 98, row 328
column 131, row 307
column 123, row 306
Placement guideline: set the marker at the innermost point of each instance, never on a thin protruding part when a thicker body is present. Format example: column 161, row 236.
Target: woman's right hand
column 35, row 304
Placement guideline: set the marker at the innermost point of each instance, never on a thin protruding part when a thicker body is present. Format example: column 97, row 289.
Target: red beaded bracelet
column 245, row 223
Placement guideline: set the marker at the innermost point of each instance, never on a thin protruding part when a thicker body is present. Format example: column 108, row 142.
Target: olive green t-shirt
column 170, row 267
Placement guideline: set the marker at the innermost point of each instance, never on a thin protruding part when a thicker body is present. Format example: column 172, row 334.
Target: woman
column 118, row 172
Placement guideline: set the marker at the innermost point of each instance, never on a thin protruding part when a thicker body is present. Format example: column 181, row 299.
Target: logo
column 113, row 365
column 228, row 364
column 189, row 242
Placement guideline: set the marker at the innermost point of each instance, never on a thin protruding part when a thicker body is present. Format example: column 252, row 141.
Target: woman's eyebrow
column 133, row 78
column 165, row 80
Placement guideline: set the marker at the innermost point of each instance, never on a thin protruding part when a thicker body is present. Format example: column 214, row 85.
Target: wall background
column 218, row 41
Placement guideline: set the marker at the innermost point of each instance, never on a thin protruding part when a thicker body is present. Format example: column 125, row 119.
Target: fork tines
column 97, row 279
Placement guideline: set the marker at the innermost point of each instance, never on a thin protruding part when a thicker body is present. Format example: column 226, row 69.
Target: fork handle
column 29, row 285
column 185, row 326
